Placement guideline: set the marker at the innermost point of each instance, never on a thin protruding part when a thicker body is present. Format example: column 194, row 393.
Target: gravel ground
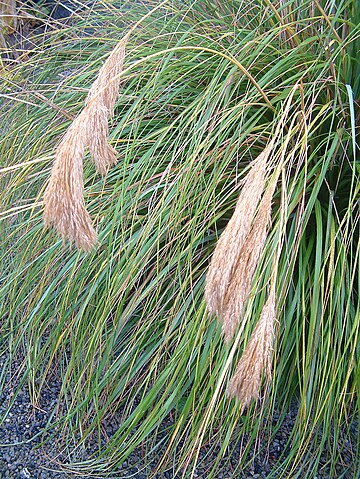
column 25, row 455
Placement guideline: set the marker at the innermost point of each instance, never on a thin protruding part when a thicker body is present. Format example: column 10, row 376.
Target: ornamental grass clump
column 123, row 332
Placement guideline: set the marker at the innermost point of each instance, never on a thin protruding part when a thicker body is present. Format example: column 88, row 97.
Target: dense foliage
column 124, row 328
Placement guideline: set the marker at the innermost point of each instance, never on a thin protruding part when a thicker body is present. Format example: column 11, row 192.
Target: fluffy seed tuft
column 256, row 360
column 234, row 261
column 64, row 205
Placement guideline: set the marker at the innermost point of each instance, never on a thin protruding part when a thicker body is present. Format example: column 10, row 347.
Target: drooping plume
column 64, row 205
column 101, row 101
column 230, row 275
column 256, row 360
column 64, row 195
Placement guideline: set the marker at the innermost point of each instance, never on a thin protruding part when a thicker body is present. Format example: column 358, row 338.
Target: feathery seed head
column 64, row 195
column 234, row 261
column 64, row 205
column 257, row 357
